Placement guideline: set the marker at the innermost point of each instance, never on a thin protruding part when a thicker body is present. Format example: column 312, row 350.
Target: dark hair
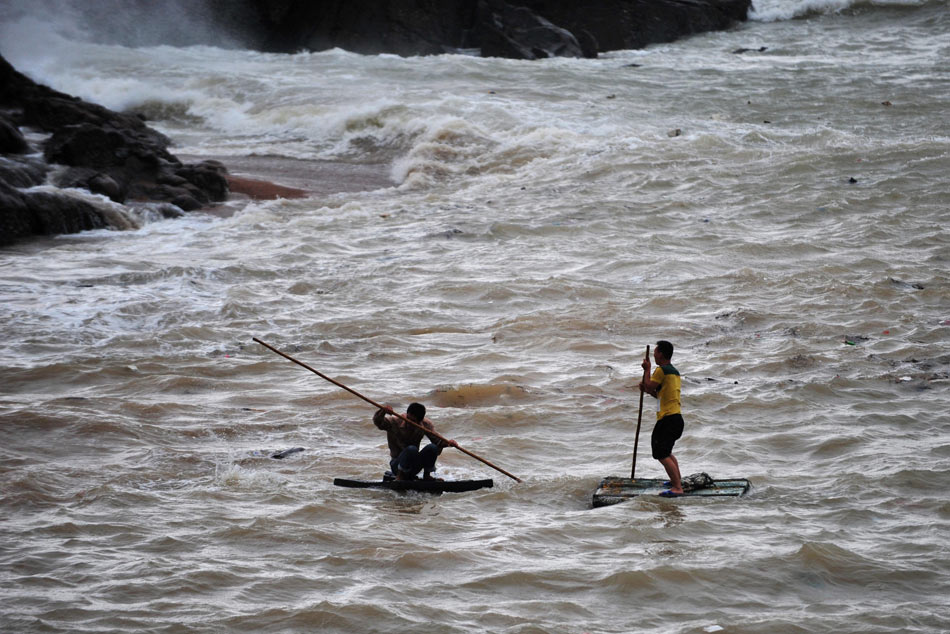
column 417, row 411
column 665, row 348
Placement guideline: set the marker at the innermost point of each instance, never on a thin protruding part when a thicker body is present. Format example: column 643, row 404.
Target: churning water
column 500, row 240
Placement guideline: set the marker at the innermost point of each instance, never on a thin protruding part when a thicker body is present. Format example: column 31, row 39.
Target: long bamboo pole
column 636, row 440
column 378, row 406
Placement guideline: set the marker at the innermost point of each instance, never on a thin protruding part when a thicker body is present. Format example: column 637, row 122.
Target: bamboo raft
column 613, row 490
column 427, row 486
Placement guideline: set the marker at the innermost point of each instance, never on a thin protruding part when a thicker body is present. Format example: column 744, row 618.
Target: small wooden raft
column 427, row 486
column 613, row 490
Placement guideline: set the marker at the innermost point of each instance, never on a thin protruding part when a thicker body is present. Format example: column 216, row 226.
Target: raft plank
column 613, row 490
column 428, row 486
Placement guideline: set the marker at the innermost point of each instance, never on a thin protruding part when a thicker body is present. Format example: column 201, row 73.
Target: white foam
column 776, row 10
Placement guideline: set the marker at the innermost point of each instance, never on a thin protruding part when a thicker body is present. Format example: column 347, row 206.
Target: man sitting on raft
column 406, row 459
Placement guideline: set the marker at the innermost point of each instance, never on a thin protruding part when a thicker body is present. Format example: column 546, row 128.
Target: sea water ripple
column 778, row 214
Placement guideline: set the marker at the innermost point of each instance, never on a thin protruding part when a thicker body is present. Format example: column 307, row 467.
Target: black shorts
column 665, row 434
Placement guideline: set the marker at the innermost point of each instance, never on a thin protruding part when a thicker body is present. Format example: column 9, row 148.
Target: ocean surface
column 499, row 240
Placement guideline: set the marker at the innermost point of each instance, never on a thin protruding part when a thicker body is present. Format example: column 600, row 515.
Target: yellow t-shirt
column 668, row 394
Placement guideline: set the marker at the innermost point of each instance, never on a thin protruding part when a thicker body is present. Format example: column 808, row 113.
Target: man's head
column 663, row 349
column 416, row 411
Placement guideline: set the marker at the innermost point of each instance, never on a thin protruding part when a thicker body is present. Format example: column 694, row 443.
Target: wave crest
column 777, row 10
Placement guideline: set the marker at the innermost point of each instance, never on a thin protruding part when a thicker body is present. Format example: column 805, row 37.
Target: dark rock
column 15, row 217
column 169, row 211
column 210, row 177
column 519, row 33
column 588, row 43
column 106, row 152
column 105, row 146
column 426, row 27
column 91, row 179
column 402, row 27
column 22, row 171
column 11, row 139
column 634, row 24
column 53, row 214
column 28, row 214
column 187, row 202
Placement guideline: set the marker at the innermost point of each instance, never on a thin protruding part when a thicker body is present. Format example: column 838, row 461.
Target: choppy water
column 544, row 223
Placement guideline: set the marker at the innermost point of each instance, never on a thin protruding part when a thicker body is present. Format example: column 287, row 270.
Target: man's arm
column 380, row 420
column 648, row 385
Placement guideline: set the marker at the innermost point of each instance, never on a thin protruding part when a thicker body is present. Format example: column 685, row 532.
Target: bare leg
column 673, row 472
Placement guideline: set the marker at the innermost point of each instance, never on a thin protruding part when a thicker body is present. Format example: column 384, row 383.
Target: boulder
column 11, row 139
column 91, row 179
column 209, row 177
column 519, row 33
column 635, row 24
column 22, row 171
column 401, row 27
column 15, row 218
column 53, row 214
column 524, row 29
column 110, row 153
column 23, row 215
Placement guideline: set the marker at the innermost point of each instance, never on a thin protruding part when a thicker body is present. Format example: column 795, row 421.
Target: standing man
column 406, row 459
column 664, row 385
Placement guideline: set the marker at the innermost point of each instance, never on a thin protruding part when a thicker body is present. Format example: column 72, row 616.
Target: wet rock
column 90, row 179
column 11, row 139
column 634, row 24
column 519, row 33
column 53, row 214
column 41, row 213
column 105, row 152
column 401, row 27
column 106, row 146
column 210, row 177
column 525, row 29
column 15, row 219
column 22, row 171
column 405, row 27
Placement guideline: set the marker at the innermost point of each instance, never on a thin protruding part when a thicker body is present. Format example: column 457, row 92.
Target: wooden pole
column 636, row 439
column 378, row 406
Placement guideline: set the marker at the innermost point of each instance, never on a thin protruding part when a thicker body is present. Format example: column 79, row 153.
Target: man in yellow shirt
column 664, row 385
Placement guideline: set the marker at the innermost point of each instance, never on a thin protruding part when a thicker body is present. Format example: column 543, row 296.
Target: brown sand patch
column 269, row 177
column 263, row 190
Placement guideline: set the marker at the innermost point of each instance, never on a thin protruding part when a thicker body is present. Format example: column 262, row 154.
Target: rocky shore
column 87, row 147
column 72, row 145
column 526, row 29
